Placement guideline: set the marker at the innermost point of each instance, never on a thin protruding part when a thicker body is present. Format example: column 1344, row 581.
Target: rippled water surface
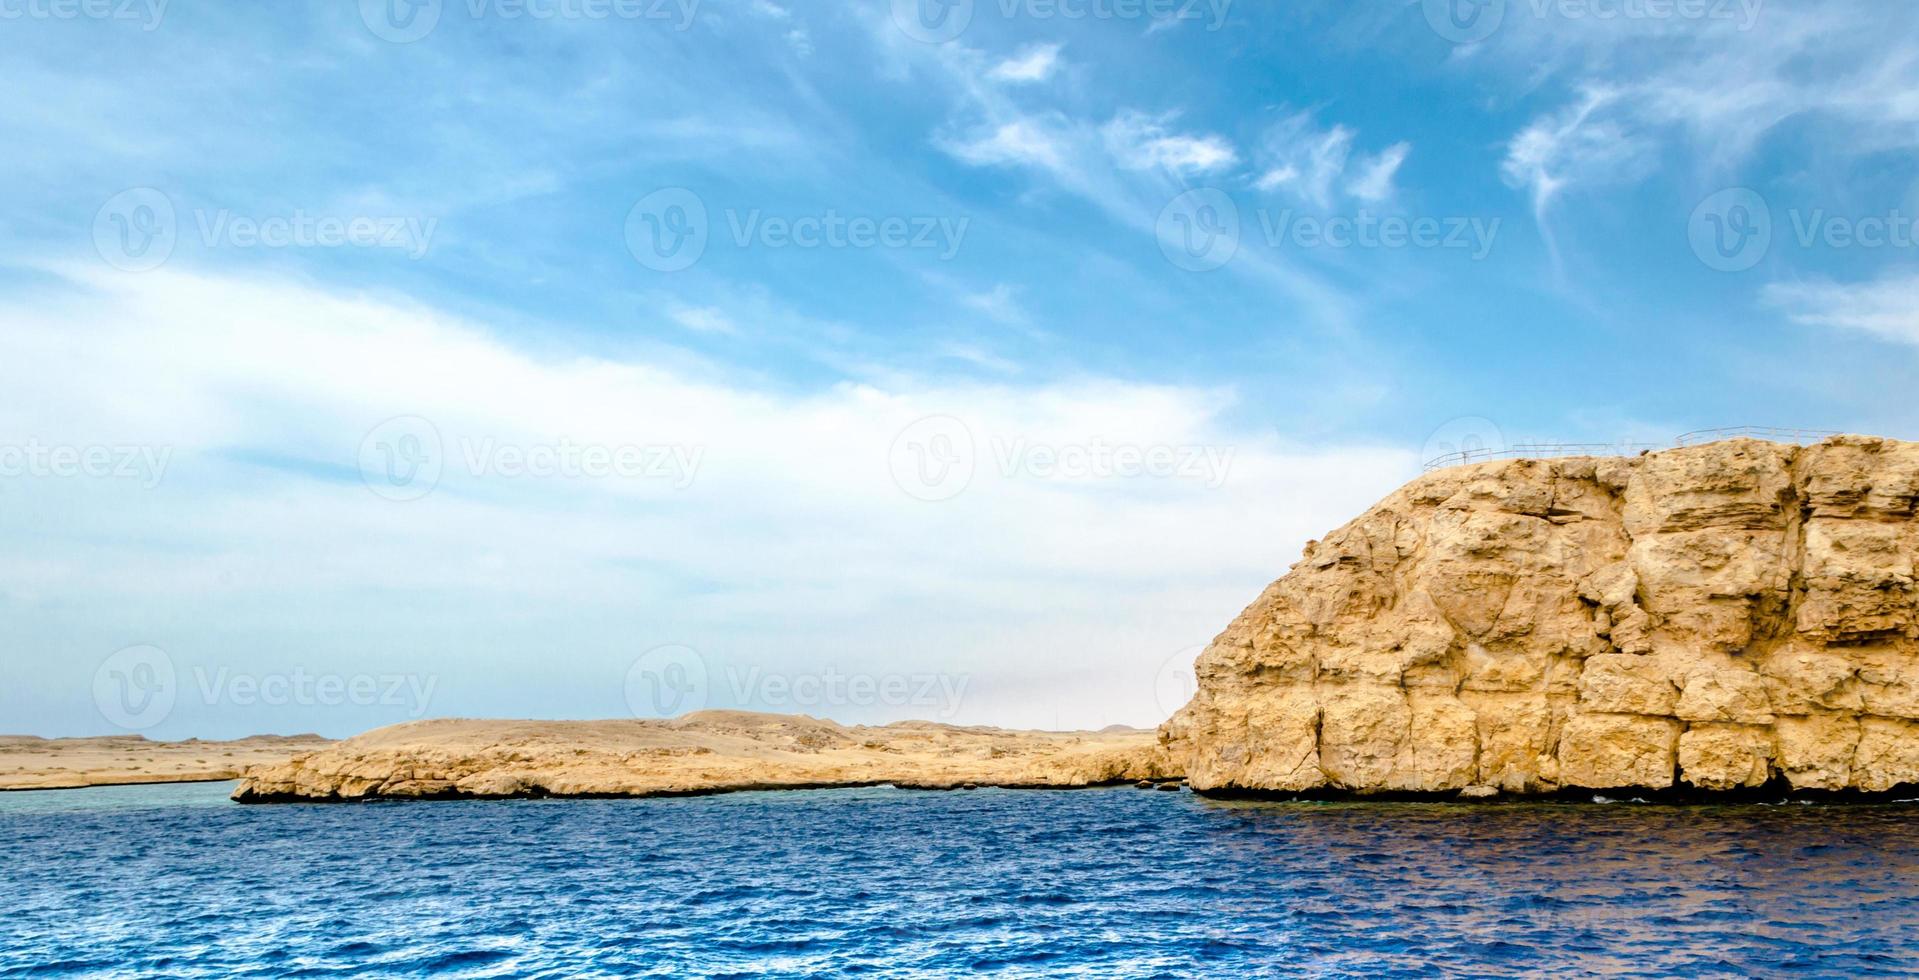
column 174, row 881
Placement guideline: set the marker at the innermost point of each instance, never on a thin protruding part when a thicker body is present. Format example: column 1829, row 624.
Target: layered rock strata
column 1717, row 618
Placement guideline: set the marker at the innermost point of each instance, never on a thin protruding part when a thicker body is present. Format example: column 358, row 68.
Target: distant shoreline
column 28, row 762
column 163, row 781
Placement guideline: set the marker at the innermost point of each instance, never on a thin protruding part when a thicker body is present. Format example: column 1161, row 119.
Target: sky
column 372, row 360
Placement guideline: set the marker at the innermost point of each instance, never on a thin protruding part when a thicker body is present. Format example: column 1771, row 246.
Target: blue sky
column 241, row 240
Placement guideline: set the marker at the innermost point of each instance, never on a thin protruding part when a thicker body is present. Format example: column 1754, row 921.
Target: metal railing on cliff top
column 1550, row 450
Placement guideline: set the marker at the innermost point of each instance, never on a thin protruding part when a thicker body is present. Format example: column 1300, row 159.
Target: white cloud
column 1714, row 85
column 1130, row 166
column 1374, row 181
column 797, row 38
column 1033, row 64
column 1000, row 303
column 703, row 319
column 1316, row 164
column 1277, row 178
column 1887, row 308
column 1019, row 141
column 793, row 548
column 1139, row 142
column 1575, row 143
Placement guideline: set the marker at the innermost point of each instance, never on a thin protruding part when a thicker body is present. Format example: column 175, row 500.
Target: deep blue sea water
column 175, row 881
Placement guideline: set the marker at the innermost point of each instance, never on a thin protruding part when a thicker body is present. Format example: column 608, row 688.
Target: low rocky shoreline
column 701, row 753
column 28, row 762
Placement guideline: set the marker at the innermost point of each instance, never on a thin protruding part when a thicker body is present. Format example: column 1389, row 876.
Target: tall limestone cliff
column 1726, row 616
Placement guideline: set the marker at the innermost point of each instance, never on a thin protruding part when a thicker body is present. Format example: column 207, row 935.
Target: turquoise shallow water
column 175, row 881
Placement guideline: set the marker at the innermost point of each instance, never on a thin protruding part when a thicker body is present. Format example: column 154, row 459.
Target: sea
column 176, row 881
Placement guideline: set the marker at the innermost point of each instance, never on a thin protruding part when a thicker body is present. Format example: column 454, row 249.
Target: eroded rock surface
column 1718, row 617
column 704, row 752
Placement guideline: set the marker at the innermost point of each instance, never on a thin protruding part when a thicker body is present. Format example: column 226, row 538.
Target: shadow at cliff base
column 1774, row 793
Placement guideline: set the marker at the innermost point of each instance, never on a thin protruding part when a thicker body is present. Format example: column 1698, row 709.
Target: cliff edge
column 1722, row 617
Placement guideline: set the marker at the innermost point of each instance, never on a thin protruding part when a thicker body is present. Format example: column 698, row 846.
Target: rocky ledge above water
column 703, row 752
column 1716, row 618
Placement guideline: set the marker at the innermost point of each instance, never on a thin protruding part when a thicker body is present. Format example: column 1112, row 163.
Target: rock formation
column 703, row 752
column 1722, row 617
column 28, row 762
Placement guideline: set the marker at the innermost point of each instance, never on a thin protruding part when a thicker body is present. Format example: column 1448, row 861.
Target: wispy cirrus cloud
column 1001, row 303
column 1579, row 144
column 1140, row 142
column 703, row 319
column 1128, row 161
column 1035, row 63
column 1887, row 308
column 1374, row 180
column 1026, row 141
column 1318, row 164
column 1713, row 88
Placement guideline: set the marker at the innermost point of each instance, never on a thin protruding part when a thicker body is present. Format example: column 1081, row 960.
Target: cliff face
column 1718, row 617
